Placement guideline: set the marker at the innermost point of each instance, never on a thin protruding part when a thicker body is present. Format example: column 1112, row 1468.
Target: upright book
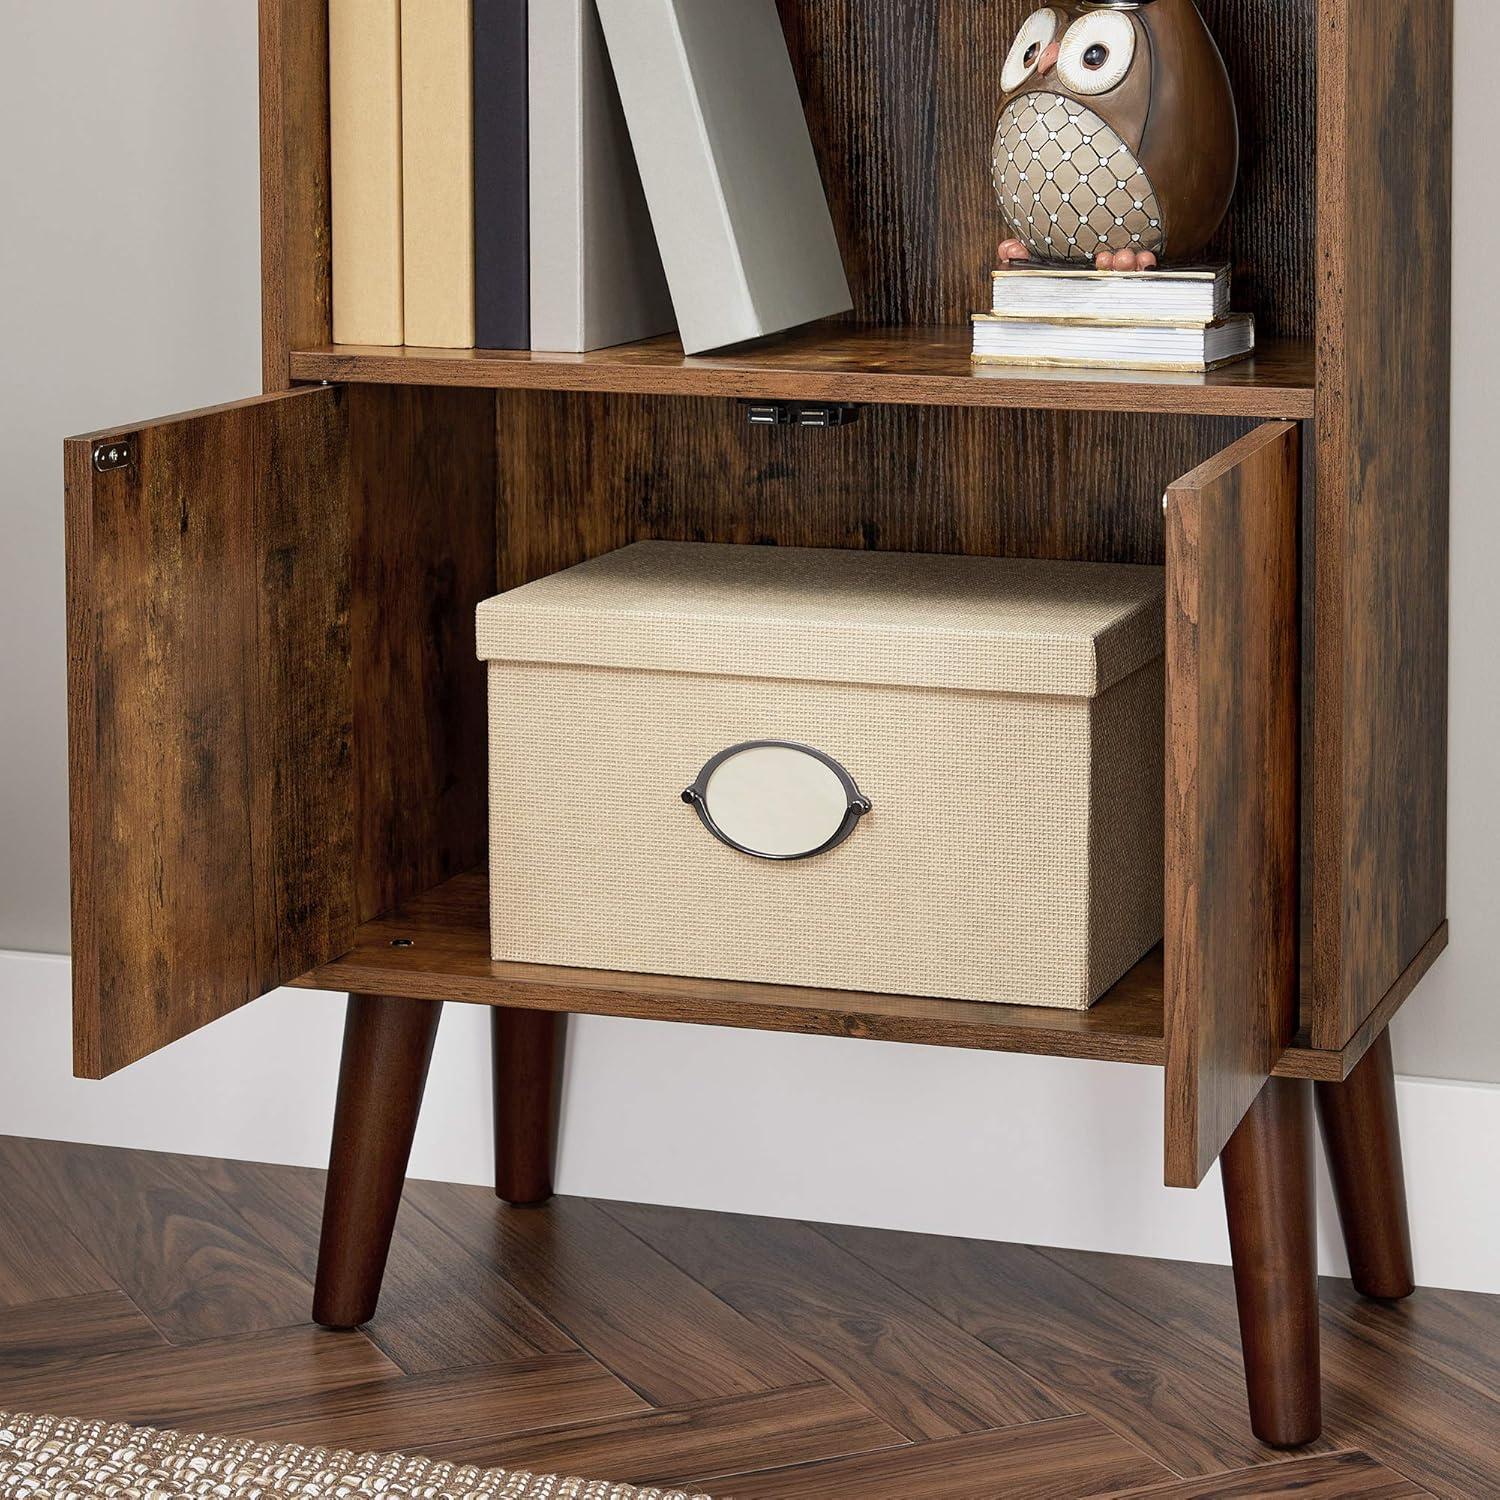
column 437, row 172
column 596, row 277
column 364, row 130
column 502, row 242
column 728, row 166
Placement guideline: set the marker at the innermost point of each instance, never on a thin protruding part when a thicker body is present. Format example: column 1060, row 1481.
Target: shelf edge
column 888, row 388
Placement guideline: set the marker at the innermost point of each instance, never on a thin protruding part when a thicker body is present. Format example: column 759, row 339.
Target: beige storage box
column 867, row 771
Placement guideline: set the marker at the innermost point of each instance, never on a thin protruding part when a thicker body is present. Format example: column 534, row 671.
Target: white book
column 1070, row 341
column 596, row 277
column 728, row 166
column 1191, row 294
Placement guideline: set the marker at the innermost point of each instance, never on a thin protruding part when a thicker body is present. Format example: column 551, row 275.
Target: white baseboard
column 1038, row 1150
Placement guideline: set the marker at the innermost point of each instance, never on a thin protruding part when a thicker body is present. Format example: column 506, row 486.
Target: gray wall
column 129, row 263
column 129, row 288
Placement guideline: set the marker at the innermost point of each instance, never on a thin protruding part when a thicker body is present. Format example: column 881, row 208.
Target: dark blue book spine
column 502, row 181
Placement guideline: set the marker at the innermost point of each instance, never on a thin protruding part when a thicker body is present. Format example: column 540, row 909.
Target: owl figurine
column 1118, row 142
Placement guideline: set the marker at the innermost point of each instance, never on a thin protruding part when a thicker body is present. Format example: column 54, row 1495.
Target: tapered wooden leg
column 528, row 1054
column 387, row 1048
column 1268, row 1195
column 1362, row 1139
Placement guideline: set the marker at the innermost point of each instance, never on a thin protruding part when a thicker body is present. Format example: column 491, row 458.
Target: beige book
column 364, row 119
column 437, row 150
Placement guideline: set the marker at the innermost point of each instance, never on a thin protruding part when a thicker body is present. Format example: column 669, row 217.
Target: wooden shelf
column 449, row 959
column 842, row 362
column 445, row 955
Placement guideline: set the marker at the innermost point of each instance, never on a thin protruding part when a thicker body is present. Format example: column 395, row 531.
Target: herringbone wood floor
column 761, row 1359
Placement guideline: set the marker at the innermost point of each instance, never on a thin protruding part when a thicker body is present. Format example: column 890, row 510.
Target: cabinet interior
column 460, row 492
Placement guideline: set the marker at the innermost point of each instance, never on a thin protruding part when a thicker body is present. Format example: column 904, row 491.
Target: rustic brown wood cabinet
column 277, row 727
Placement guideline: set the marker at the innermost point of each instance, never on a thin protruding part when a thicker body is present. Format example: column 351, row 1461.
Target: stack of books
column 1175, row 319
column 569, row 174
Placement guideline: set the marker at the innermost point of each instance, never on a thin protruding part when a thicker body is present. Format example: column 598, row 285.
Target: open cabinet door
column 210, row 714
column 1231, row 838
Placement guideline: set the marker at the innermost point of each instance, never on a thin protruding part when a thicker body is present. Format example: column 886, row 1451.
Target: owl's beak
column 1048, row 60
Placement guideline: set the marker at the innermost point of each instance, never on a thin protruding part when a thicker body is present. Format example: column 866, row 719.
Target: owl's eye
column 1096, row 52
column 1037, row 33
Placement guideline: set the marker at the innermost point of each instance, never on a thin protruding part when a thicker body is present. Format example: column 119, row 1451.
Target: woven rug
column 71, row 1458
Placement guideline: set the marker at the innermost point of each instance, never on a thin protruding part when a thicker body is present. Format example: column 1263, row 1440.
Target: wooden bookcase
column 277, row 722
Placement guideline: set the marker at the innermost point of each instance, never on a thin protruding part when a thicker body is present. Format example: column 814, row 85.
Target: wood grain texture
column 1273, row 1238
column 526, row 1049
column 1362, row 1141
column 41, row 1259
column 1076, row 1456
column 209, row 717
column 1230, row 946
column 184, row 1387
column 914, row 1369
column 1455, row 1332
column 382, row 1074
column 1152, row 1348
column 1381, row 564
column 1334, row 1476
column 440, row 1308
column 1271, row 53
column 422, row 530
column 295, row 217
column 1390, row 1386
column 1333, row 1066
column 73, row 1328
column 290, row 736
column 902, row 96
column 658, row 1330
column 189, row 1265
column 444, row 1412
column 923, row 365
column 448, row 958
column 688, row 1446
column 1181, row 1403
column 1086, row 486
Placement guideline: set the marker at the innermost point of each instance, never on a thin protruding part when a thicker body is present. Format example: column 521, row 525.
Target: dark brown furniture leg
column 1362, row 1138
column 387, row 1048
column 528, row 1053
column 1268, row 1195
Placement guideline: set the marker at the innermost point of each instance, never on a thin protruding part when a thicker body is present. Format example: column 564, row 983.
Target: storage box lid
column 1007, row 625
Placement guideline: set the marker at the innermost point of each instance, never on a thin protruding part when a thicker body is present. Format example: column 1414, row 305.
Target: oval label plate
column 775, row 799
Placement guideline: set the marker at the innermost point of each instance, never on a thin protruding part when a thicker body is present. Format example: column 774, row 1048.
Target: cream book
column 1111, row 346
column 364, row 129
column 437, row 170
column 1181, row 294
column 728, row 166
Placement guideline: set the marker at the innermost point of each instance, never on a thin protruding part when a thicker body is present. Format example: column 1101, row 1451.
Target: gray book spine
column 596, row 277
column 728, row 166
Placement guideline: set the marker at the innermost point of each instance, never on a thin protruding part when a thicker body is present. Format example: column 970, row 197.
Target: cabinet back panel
column 581, row 474
column 422, row 540
column 902, row 97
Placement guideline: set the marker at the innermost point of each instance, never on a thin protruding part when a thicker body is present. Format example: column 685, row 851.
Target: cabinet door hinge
column 114, row 453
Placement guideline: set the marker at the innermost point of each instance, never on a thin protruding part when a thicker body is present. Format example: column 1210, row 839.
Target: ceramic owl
column 1117, row 133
